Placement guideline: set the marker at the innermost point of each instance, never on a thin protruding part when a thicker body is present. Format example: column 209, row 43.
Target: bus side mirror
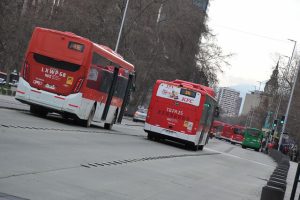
column 217, row 112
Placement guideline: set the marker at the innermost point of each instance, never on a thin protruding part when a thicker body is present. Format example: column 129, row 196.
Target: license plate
column 52, row 87
column 169, row 131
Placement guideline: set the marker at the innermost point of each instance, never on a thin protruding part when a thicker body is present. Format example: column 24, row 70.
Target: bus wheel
column 243, row 147
column 150, row 136
column 34, row 109
column 256, row 149
column 192, row 146
column 200, row 147
column 38, row 111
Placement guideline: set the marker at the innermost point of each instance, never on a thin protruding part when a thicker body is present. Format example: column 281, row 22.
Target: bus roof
column 101, row 49
column 217, row 123
column 193, row 86
column 239, row 126
column 113, row 56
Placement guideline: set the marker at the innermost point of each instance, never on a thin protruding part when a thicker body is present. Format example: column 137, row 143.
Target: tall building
column 229, row 101
column 252, row 101
column 238, row 105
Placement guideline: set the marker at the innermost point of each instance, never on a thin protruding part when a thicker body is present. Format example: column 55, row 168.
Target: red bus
column 224, row 131
column 237, row 137
column 215, row 127
column 181, row 111
column 71, row 75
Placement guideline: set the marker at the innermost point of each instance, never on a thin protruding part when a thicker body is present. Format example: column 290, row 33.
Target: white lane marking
column 234, row 156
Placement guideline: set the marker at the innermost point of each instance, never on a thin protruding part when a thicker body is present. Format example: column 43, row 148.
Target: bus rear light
column 58, row 97
column 26, row 71
column 78, row 85
column 21, row 92
column 39, row 92
column 72, row 105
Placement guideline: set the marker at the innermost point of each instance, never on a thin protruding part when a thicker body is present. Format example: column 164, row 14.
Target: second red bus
column 181, row 111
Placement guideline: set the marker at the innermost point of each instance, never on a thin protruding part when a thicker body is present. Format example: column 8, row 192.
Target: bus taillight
column 78, row 85
column 26, row 71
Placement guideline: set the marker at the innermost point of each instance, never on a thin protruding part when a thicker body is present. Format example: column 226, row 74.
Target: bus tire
column 192, row 147
column 232, row 143
column 256, row 149
column 33, row 109
column 37, row 110
column 150, row 136
column 200, row 147
column 243, row 147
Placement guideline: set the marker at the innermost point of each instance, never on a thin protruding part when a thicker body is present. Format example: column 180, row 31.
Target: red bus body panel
column 178, row 114
column 227, row 132
column 238, row 134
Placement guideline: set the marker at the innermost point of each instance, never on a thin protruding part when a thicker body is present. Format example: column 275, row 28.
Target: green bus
column 252, row 138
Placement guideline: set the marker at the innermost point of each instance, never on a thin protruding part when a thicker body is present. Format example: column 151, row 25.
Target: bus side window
column 106, row 81
column 208, row 111
column 92, row 78
column 121, row 87
column 105, row 75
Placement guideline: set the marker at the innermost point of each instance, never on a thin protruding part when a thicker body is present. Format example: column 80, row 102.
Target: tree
column 162, row 38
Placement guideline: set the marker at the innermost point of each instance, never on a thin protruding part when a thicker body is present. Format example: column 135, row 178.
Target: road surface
column 50, row 158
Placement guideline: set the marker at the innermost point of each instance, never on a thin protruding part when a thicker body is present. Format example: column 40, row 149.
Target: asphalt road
column 50, row 158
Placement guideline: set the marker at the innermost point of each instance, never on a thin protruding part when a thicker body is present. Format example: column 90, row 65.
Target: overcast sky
column 254, row 30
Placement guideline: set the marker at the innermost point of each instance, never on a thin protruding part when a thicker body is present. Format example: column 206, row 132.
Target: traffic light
column 282, row 119
column 217, row 112
column 275, row 123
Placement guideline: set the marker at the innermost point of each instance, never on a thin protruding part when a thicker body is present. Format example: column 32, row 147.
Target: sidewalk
column 290, row 182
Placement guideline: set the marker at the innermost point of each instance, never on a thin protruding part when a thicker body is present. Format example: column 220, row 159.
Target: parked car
column 2, row 81
column 14, row 83
column 140, row 115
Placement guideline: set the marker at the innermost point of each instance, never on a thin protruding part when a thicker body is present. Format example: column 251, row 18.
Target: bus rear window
column 45, row 60
column 76, row 46
column 188, row 93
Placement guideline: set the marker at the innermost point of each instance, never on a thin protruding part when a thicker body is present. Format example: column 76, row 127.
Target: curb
column 276, row 185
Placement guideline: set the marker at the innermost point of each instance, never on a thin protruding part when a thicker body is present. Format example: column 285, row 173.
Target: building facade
column 229, row 101
column 252, row 101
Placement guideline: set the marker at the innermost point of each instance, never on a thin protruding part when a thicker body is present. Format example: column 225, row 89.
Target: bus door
column 206, row 119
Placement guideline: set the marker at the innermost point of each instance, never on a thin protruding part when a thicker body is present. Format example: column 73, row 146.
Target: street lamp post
column 291, row 95
column 122, row 24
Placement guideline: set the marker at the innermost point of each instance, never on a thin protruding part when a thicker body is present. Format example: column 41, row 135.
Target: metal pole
column 251, row 118
column 121, row 28
column 295, row 183
column 291, row 96
column 278, row 106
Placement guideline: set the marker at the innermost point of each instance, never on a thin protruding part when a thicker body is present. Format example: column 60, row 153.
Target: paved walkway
column 290, row 182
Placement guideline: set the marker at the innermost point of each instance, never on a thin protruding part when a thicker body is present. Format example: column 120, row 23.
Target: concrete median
column 272, row 193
